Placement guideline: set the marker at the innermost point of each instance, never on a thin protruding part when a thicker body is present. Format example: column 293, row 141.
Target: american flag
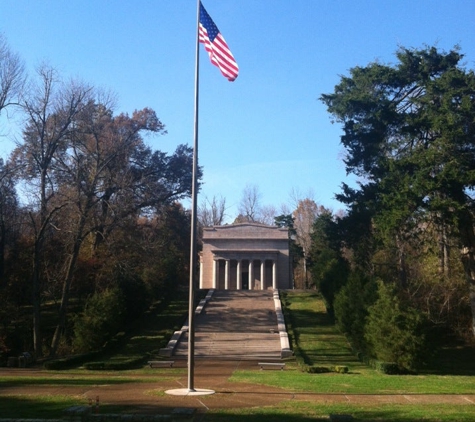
column 216, row 46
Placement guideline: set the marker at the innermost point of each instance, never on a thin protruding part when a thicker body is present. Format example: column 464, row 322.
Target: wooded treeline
column 89, row 214
column 92, row 230
column 398, row 269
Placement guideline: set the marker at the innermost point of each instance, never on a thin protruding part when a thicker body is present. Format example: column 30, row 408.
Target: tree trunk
column 305, row 273
column 100, row 230
column 2, row 254
column 444, row 252
column 36, row 302
column 63, row 309
column 468, row 258
column 468, row 261
column 401, row 253
column 38, row 251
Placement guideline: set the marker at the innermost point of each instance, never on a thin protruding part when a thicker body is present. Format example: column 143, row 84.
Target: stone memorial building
column 246, row 256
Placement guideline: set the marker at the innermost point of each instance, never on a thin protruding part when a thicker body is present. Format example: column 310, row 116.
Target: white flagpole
column 194, row 195
column 193, row 244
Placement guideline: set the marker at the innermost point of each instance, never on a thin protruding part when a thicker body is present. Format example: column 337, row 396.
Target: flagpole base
column 189, row 392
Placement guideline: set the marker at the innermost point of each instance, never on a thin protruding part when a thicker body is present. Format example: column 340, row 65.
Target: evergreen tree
column 396, row 333
column 351, row 308
column 328, row 266
column 409, row 133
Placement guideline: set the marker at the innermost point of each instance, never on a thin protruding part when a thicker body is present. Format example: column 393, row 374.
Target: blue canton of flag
column 216, row 46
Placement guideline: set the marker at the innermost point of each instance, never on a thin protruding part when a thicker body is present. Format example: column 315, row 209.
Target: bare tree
column 296, row 196
column 212, row 212
column 250, row 206
column 267, row 215
column 12, row 75
column 304, row 216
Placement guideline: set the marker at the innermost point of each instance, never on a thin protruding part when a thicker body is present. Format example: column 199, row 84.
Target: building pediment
column 245, row 231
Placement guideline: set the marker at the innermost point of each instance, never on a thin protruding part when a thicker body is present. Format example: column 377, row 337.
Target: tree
column 51, row 108
column 12, row 75
column 295, row 250
column 8, row 210
column 409, row 133
column 12, row 80
column 304, row 217
column 267, row 214
column 212, row 212
column 328, row 266
column 109, row 174
column 249, row 207
column 351, row 308
column 395, row 332
column 99, row 321
column 87, row 172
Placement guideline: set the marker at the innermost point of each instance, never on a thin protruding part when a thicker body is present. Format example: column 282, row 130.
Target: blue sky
column 267, row 128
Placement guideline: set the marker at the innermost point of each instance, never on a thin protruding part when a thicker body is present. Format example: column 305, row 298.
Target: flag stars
column 216, row 46
column 211, row 28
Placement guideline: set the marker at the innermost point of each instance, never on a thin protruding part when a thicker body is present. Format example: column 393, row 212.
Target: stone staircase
column 238, row 324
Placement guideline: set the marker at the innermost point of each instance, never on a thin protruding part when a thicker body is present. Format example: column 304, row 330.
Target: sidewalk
column 209, row 374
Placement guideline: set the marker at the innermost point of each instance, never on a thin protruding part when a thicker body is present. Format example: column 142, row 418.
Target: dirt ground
column 208, row 374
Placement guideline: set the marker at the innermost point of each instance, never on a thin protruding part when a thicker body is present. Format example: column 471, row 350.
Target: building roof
column 245, row 231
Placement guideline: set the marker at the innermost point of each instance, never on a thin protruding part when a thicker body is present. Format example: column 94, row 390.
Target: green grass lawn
column 314, row 333
column 301, row 411
column 365, row 382
column 317, row 342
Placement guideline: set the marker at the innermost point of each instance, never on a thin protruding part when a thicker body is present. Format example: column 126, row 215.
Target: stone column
column 226, row 274
column 263, row 271
column 201, row 274
column 251, row 275
column 238, row 275
column 274, row 274
column 215, row 273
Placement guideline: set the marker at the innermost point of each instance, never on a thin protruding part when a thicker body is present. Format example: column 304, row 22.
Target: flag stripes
column 217, row 48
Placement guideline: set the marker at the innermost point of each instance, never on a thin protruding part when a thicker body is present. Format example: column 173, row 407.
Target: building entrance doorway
column 245, row 281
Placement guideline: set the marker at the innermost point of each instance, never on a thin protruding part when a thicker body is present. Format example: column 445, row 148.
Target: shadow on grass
column 323, row 344
column 322, row 413
column 47, row 407
column 52, row 407
column 312, row 322
column 268, row 417
column 457, row 360
column 35, row 407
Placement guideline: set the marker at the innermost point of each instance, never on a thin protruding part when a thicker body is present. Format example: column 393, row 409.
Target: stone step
column 231, row 346
column 239, row 324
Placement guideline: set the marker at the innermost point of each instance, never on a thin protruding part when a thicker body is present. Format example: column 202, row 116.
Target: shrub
column 317, row 369
column 340, row 369
column 351, row 308
column 395, row 332
column 100, row 320
column 388, row 368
